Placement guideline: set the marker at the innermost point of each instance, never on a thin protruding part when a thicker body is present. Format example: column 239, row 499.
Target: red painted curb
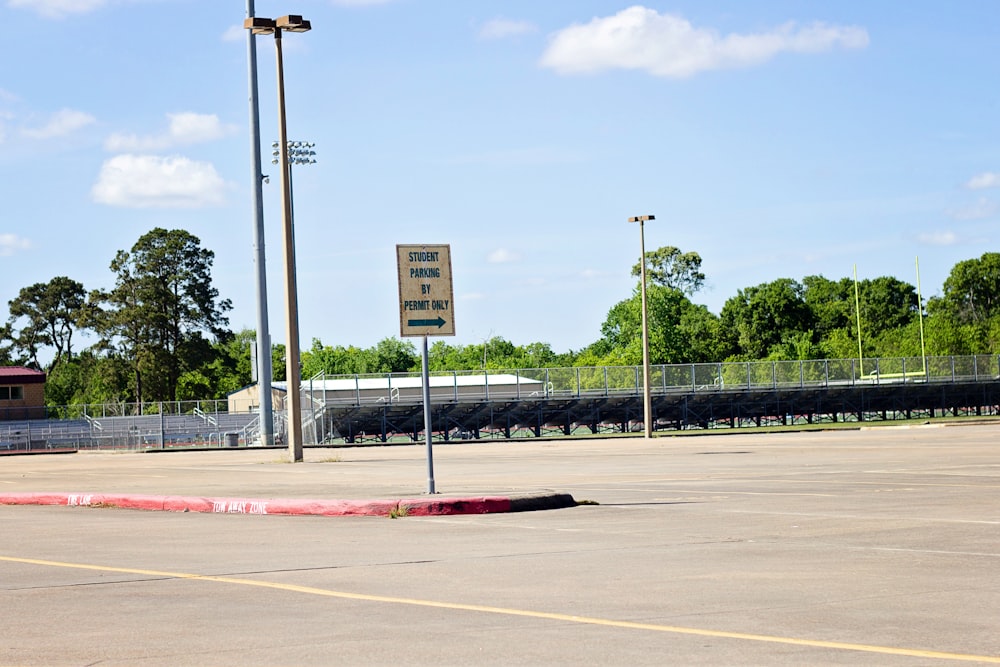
column 401, row 507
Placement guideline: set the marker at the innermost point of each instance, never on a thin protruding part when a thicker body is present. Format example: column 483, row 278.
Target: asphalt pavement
column 230, row 481
column 871, row 547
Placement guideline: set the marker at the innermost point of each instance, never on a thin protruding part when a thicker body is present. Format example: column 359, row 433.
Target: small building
column 359, row 390
column 247, row 399
column 22, row 393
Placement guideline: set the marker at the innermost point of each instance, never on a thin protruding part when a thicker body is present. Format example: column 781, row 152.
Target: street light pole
column 647, row 401
column 290, row 23
column 263, row 356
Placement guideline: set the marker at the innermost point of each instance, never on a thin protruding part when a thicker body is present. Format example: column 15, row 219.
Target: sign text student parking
column 426, row 302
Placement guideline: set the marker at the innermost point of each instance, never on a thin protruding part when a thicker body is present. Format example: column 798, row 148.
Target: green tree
column 389, row 355
column 49, row 313
column 972, row 289
column 759, row 318
column 278, row 357
column 886, row 304
column 7, row 353
column 700, row 330
column 674, row 323
column 160, row 309
column 831, row 303
column 88, row 378
column 228, row 369
column 669, row 267
column 392, row 355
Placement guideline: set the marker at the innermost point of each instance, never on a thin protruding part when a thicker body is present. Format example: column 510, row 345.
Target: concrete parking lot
column 867, row 547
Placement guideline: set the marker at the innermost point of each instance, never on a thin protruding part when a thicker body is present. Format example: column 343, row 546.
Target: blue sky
column 779, row 138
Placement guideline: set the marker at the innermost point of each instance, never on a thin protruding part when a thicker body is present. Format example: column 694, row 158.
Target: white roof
column 410, row 382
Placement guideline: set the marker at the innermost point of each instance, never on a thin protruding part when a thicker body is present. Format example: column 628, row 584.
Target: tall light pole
column 263, row 356
column 647, row 401
column 262, row 26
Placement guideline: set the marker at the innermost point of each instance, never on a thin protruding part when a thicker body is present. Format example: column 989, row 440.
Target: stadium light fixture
column 647, row 402
column 299, row 152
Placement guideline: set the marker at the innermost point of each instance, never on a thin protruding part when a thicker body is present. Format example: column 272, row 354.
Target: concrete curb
column 401, row 507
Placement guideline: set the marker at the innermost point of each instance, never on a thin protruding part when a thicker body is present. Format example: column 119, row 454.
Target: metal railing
column 590, row 381
column 209, row 423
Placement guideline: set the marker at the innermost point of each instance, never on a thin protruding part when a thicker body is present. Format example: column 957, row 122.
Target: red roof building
column 22, row 393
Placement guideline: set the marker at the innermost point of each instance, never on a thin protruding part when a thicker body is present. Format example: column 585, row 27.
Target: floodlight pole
column 264, row 370
column 291, row 23
column 647, row 401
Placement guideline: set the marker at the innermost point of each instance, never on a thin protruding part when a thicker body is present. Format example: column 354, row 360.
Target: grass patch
column 399, row 511
column 283, row 459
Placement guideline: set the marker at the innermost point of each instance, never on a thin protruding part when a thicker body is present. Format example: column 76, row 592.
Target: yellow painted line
column 568, row 618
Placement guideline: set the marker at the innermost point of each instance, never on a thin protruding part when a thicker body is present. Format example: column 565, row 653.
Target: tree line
column 162, row 332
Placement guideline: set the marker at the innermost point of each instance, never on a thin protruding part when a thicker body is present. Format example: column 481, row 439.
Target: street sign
column 426, row 300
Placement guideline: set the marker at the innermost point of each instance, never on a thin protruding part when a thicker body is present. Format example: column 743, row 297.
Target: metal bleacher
column 151, row 431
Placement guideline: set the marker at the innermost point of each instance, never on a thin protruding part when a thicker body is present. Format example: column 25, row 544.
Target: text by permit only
column 426, row 304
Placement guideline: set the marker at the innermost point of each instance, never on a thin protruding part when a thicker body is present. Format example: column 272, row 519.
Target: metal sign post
column 426, row 376
column 426, row 308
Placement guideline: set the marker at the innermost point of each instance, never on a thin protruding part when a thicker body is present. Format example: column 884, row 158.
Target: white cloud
column 980, row 210
column 234, row 33
column 150, row 181
column 501, row 28
column 938, row 238
column 4, row 117
column 11, row 243
column 184, row 129
column 502, row 256
column 57, row 9
column 63, row 122
column 669, row 46
column 985, row 180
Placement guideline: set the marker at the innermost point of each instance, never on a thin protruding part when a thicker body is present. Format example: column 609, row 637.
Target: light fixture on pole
column 299, row 152
column 647, row 402
column 263, row 26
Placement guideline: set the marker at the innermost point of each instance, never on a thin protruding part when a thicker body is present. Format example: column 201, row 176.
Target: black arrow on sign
column 426, row 323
